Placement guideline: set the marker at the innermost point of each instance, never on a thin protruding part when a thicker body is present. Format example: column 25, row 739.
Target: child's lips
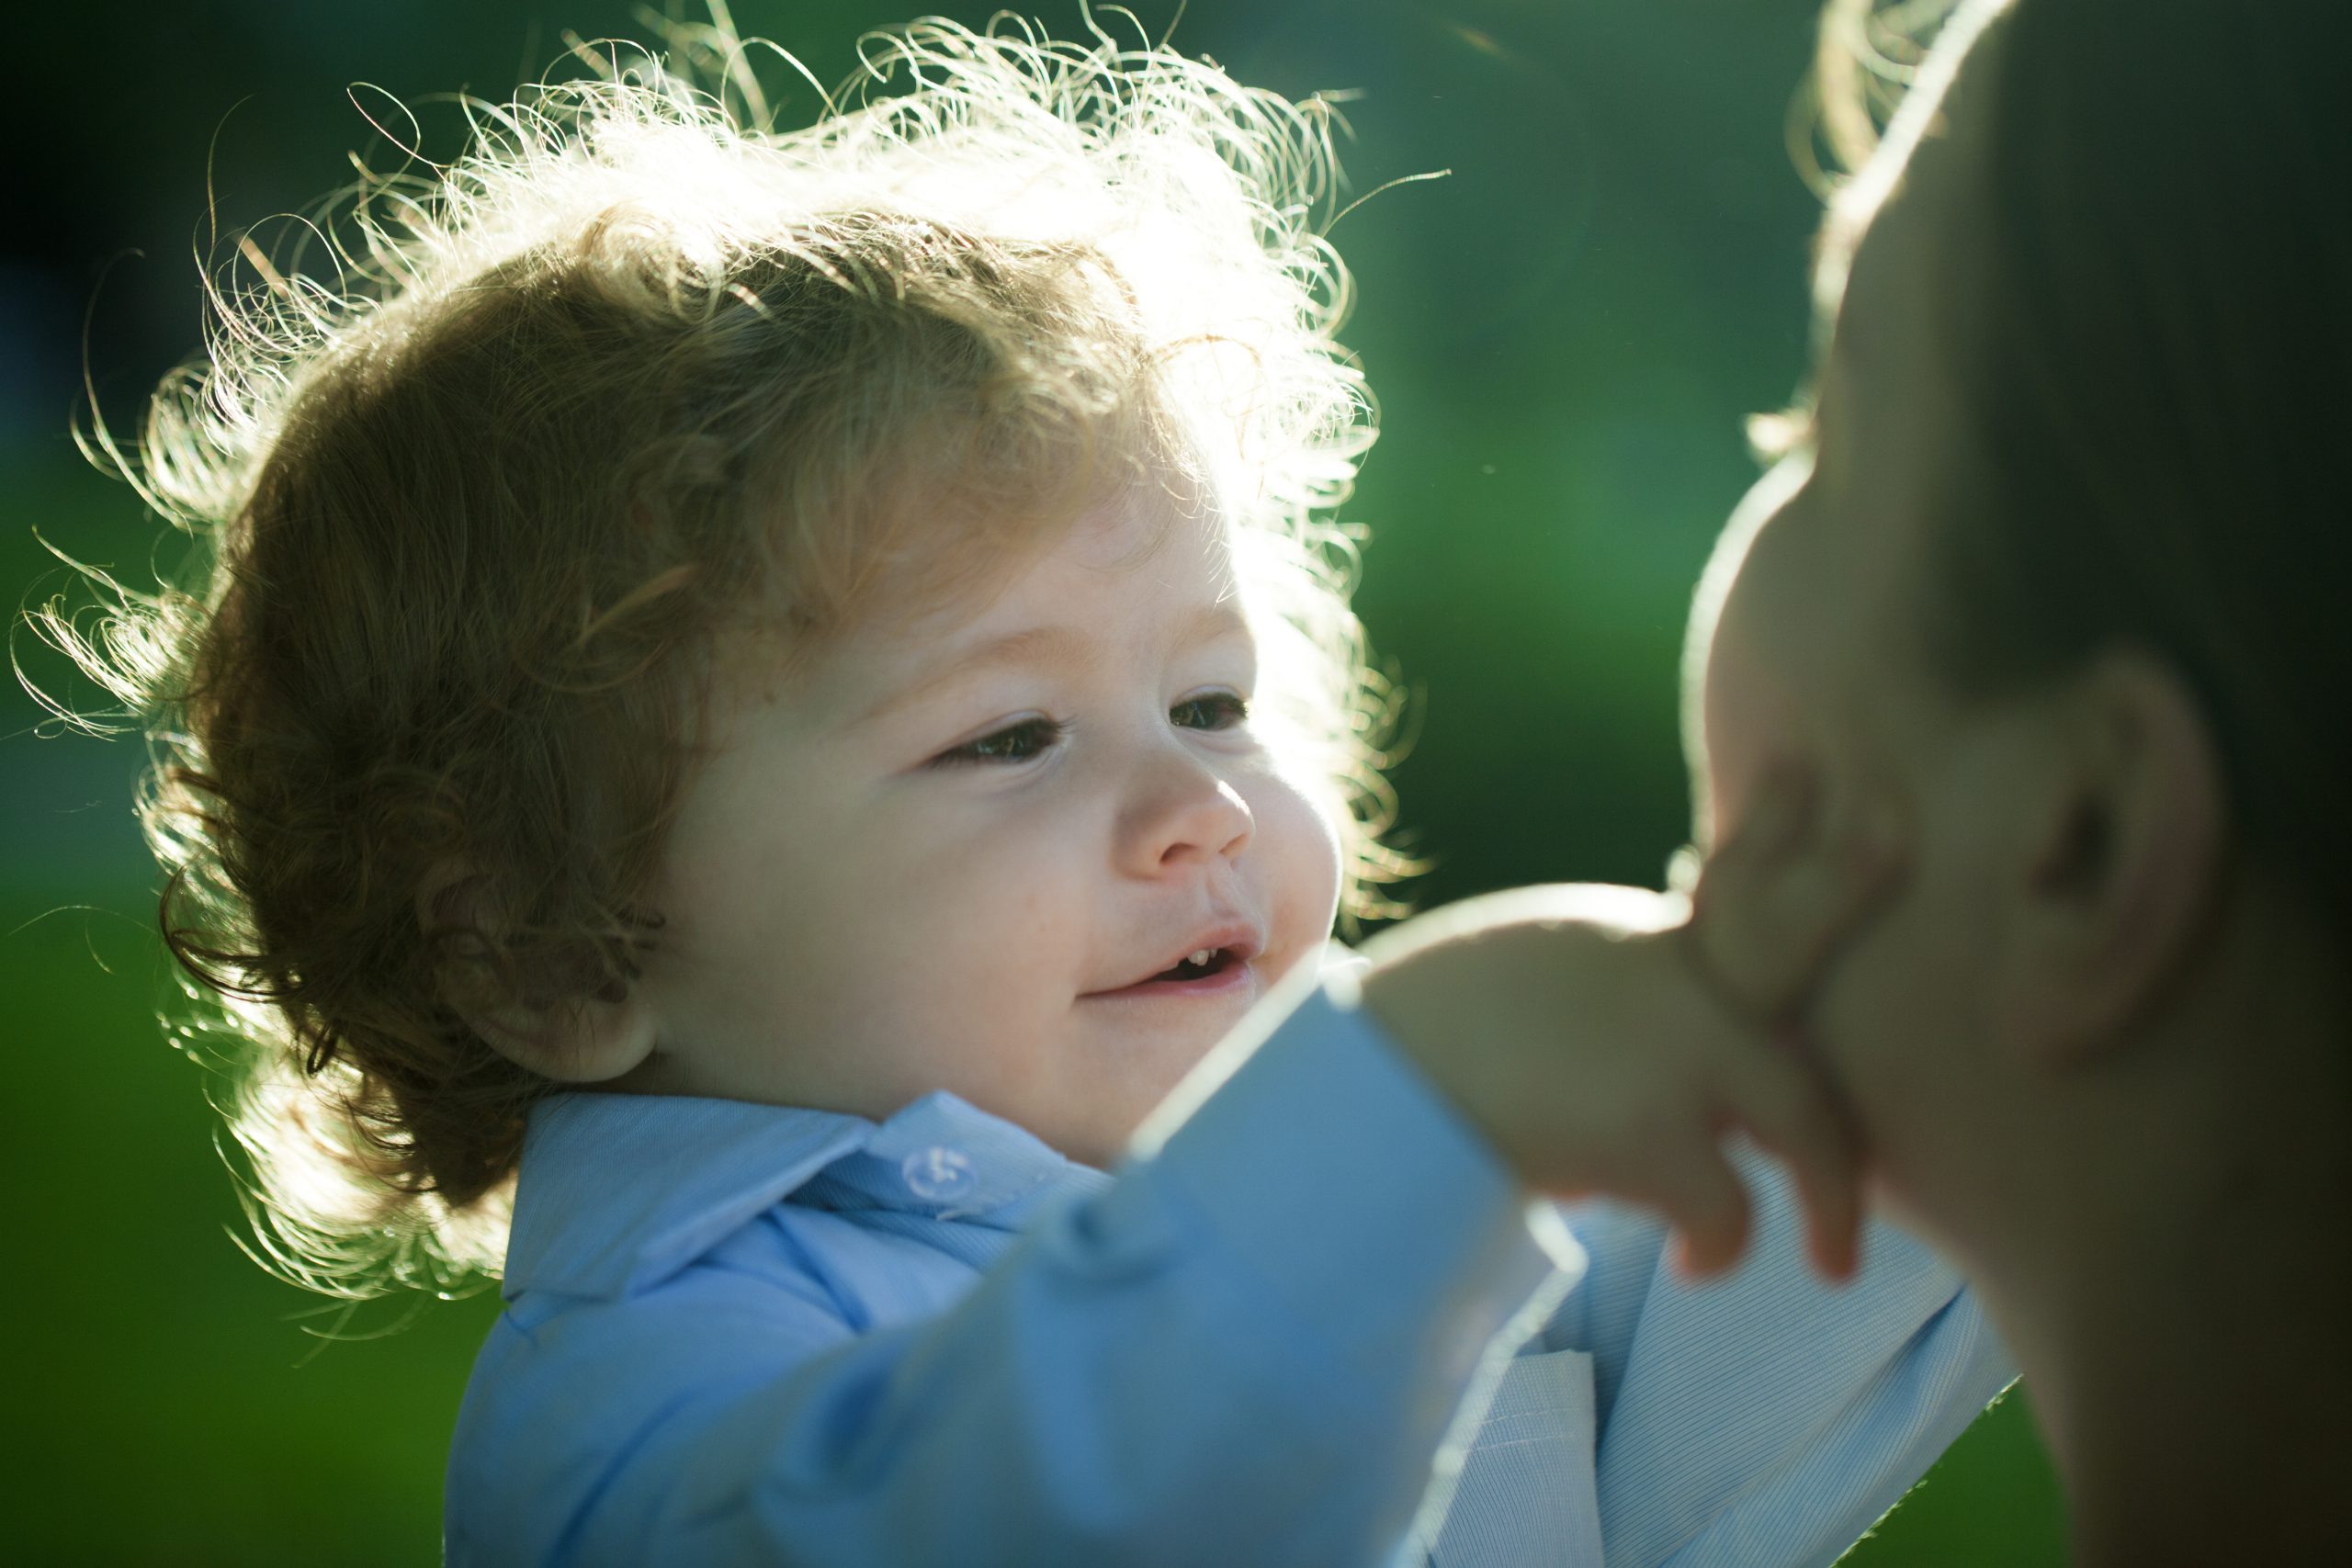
column 1234, row 978
column 1231, row 968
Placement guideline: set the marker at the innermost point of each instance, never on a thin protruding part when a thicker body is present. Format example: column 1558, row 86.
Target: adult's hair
column 2147, row 309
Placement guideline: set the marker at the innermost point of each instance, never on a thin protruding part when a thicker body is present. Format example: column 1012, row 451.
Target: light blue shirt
column 742, row 1334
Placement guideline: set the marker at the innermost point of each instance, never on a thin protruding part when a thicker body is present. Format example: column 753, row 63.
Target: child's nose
column 1180, row 810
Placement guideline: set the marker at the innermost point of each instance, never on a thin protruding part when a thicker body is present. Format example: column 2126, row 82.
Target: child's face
column 968, row 851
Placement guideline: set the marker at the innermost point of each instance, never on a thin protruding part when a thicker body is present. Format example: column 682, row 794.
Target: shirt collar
column 620, row 1192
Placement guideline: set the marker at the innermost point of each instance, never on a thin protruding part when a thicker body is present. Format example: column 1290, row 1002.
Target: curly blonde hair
column 470, row 508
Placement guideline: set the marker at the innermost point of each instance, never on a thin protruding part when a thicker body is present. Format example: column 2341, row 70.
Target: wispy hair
column 484, row 455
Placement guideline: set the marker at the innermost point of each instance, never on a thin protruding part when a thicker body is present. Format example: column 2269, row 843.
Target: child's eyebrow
column 1049, row 645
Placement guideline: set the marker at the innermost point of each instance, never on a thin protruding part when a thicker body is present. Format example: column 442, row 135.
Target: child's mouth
column 1209, row 972
column 1199, row 966
column 1204, row 972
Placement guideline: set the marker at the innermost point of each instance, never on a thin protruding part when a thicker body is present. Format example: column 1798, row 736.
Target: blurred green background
column 1565, row 336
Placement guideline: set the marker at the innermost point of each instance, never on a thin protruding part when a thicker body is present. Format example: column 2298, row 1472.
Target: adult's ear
column 2126, row 829
column 576, row 1028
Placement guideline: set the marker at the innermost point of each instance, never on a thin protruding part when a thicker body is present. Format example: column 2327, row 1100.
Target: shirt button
column 939, row 1174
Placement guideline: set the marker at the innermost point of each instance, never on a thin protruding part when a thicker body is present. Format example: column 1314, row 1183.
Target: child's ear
column 2125, row 824
column 579, row 1033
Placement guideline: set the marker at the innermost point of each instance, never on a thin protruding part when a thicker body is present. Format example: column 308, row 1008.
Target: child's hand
column 1606, row 1038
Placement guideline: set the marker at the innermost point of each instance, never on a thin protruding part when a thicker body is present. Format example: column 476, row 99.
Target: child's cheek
column 1299, row 840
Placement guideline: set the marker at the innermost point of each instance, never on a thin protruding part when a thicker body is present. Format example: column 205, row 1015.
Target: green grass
column 1992, row 1501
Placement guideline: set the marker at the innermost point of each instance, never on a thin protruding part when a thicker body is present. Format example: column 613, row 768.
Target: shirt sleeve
column 1768, row 1415
column 1249, row 1347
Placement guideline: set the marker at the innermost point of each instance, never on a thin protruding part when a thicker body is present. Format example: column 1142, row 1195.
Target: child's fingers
column 1707, row 1204
column 1685, row 1178
column 1786, row 1109
column 1833, row 1208
column 1773, row 904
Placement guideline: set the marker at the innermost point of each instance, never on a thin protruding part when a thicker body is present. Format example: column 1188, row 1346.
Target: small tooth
column 1202, row 956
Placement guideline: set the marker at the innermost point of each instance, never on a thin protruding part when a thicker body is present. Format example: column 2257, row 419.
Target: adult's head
column 2058, row 557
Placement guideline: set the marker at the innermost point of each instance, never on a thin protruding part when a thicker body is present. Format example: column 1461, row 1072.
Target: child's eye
column 1021, row 742
column 1210, row 710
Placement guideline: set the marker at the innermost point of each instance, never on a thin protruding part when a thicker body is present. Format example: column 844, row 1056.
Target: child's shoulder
column 648, row 1208
column 574, row 1404
column 672, row 1256
column 655, row 1268
column 616, row 1193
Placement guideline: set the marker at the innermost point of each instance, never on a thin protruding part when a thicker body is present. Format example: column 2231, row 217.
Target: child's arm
column 1247, row 1350
column 1604, row 1039
column 1766, row 1415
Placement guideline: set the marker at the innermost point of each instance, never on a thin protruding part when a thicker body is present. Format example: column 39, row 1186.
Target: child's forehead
column 1159, row 543
column 1144, row 553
